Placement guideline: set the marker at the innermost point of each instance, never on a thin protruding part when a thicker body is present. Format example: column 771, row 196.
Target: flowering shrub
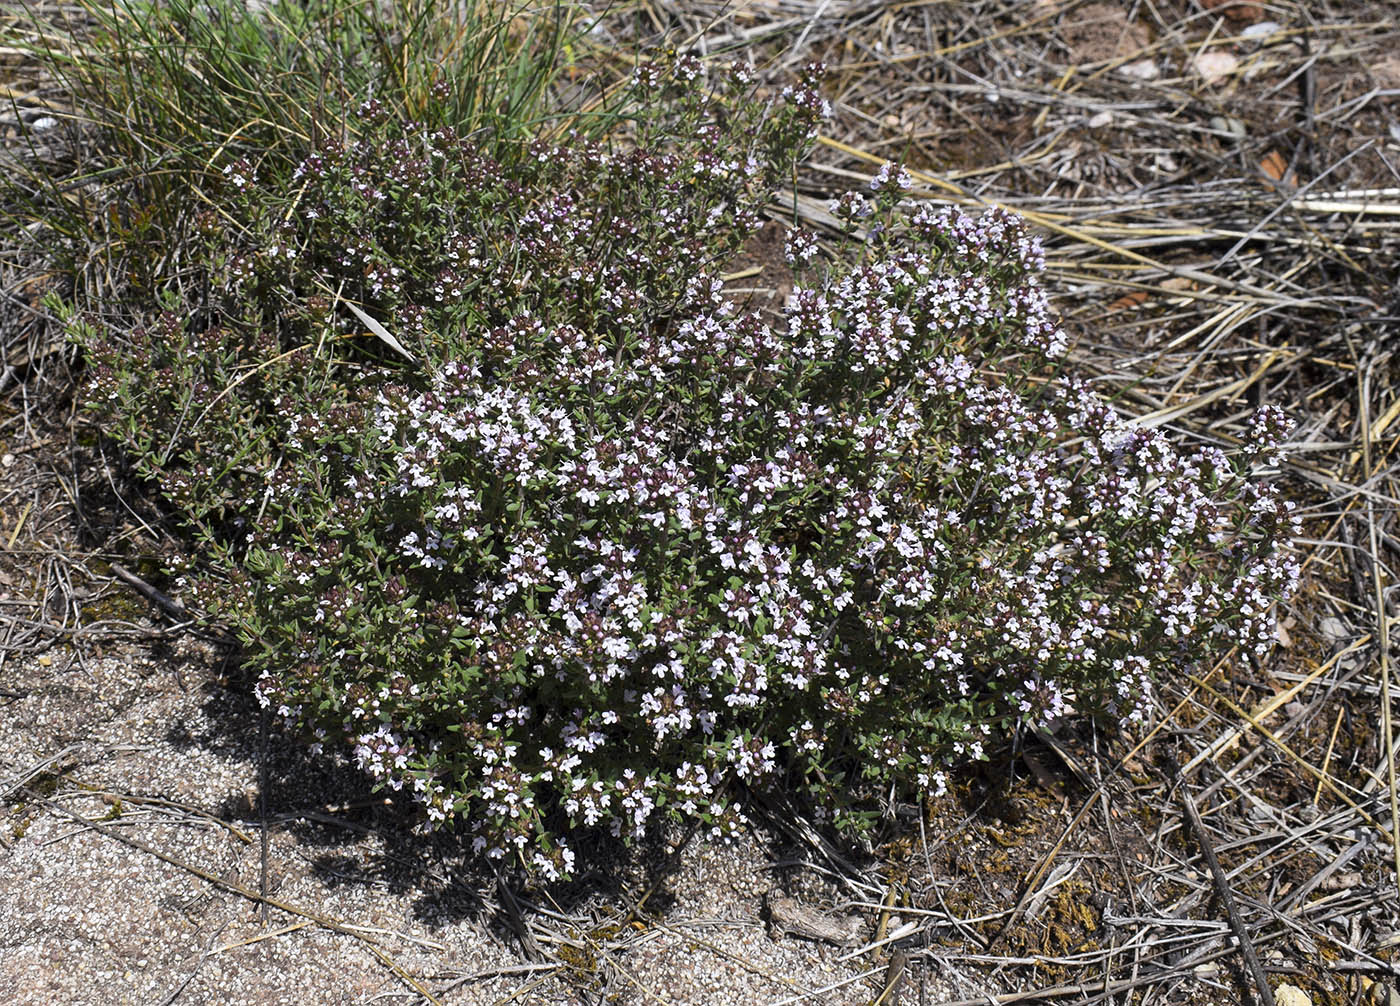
column 621, row 551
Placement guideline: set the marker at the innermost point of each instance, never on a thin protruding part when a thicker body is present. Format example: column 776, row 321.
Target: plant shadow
column 351, row 836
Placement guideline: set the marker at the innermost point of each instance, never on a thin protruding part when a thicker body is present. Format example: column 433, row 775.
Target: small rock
column 1334, row 629
column 1101, row 119
column 1259, row 812
column 1141, row 69
column 1236, row 128
column 1382, row 994
column 7, row 460
column 791, row 917
column 1291, row 995
column 1215, row 65
column 1343, row 881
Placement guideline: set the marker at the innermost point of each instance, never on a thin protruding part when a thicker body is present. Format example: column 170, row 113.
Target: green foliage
column 169, row 92
column 501, row 492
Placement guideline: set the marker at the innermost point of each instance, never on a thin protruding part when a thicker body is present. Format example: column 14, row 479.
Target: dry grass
column 1214, row 244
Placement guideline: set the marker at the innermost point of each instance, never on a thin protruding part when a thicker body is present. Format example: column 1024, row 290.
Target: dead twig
column 165, row 601
column 1222, row 890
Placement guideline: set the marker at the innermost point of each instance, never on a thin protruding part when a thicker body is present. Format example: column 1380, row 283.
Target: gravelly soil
column 162, row 750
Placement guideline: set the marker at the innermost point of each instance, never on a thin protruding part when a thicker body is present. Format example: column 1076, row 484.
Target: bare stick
column 1382, row 625
column 143, row 588
column 1222, row 888
column 262, row 813
column 894, row 978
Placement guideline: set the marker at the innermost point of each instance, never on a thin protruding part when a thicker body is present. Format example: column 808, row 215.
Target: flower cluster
column 657, row 562
column 622, row 551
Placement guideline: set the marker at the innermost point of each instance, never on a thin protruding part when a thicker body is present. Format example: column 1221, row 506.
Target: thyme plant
column 613, row 550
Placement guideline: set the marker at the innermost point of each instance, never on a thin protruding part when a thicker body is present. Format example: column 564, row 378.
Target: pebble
column 1334, row 629
column 1142, row 69
column 1229, row 124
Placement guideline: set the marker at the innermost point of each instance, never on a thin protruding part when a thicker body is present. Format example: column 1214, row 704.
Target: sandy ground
column 159, row 749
